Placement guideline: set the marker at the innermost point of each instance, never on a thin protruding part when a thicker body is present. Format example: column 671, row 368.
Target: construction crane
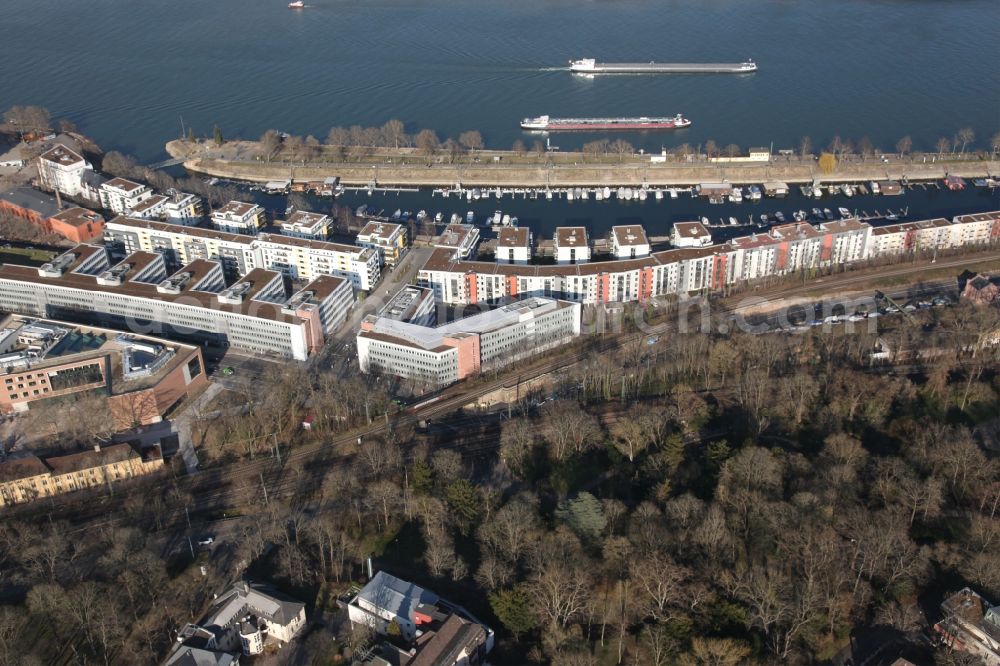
column 881, row 296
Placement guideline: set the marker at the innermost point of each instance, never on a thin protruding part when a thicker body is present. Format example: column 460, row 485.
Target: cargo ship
column 548, row 124
column 591, row 66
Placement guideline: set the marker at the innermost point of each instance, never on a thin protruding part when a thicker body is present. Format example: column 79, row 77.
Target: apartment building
column 183, row 208
column 151, row 208
column 700, row 266
column 120, row 195
column 303, row 259
column 445, row 354
column 513, row 245
column 299, row 258
column 387, row 238
column 571, row 245
column 304, row 224
column 461, row 239
column 25, row 478
column 192, row 304
column 690, row 234
column 61, row 169
column 629, row 241
column 238, row 217
column 141, row 377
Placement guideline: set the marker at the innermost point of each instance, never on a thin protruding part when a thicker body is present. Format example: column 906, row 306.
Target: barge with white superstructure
column 642, row 123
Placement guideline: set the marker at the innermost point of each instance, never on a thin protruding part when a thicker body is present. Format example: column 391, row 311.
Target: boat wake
column 553, row 69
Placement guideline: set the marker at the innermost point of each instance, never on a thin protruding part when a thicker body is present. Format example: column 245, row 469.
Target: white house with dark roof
column 120, row 195
column 514, row 245
column 572, row 245
column 629, row 241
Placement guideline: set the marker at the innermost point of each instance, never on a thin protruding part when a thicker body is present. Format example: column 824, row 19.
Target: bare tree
column 943, row 144
column 904, row 145
column 394, row 133
column 471, row 140
column 427, row 141
column 805, row 146
column 966, row 135
column 732, row 150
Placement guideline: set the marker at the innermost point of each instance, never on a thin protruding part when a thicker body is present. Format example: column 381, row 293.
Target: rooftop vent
column 234, row 295
column 175, row 283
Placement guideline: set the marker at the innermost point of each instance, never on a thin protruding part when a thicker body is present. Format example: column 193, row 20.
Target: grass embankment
column 241, row 160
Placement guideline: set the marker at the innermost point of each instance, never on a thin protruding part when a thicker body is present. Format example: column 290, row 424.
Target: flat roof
column 84, row 342
column 188, row 296
column 629, row 234
column 443, row 260
column 381, row 230
column 31, row 199
column 310, row 243
column 238, row 208
column 324, row 285
column 167, row 227
column 514, row 237
column 305, row 218
column 149, row 202
column 124, row 184
column 61, row 155
column 428, row 337
column 454, row 235
column 75, row 462
column 386, row 592
column 570, row 237
column 78, row 217
column 978, row 217
column 691, row 229
column 795, row 231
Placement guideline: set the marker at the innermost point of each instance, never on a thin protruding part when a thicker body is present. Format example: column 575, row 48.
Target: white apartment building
column 571, row 245
column 182, row 208
column 193, row 304
column 388, row 238
column 120, row 195
column 461, row 239
column 304, row 224
column 513, row 245
column 238, row 217
column 444, row 354
column 629, row 241
column 298, row 258
column 150, row 208
column 61, row 169
column 303, row 259
column 690, row 234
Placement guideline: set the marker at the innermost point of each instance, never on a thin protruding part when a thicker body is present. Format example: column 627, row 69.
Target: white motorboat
column 607, row 192
column 659, row 195
column 844, row 212
column 470, row 217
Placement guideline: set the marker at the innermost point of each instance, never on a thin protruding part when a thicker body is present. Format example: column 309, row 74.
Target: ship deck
column 664, row 67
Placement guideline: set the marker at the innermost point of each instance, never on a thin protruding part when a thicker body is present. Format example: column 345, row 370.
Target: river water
column 128, row 72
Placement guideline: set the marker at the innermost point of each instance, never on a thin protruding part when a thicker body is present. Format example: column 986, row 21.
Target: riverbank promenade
column 244, row 161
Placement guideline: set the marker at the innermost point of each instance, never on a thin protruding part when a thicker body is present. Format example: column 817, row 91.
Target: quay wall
column 568, row 174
